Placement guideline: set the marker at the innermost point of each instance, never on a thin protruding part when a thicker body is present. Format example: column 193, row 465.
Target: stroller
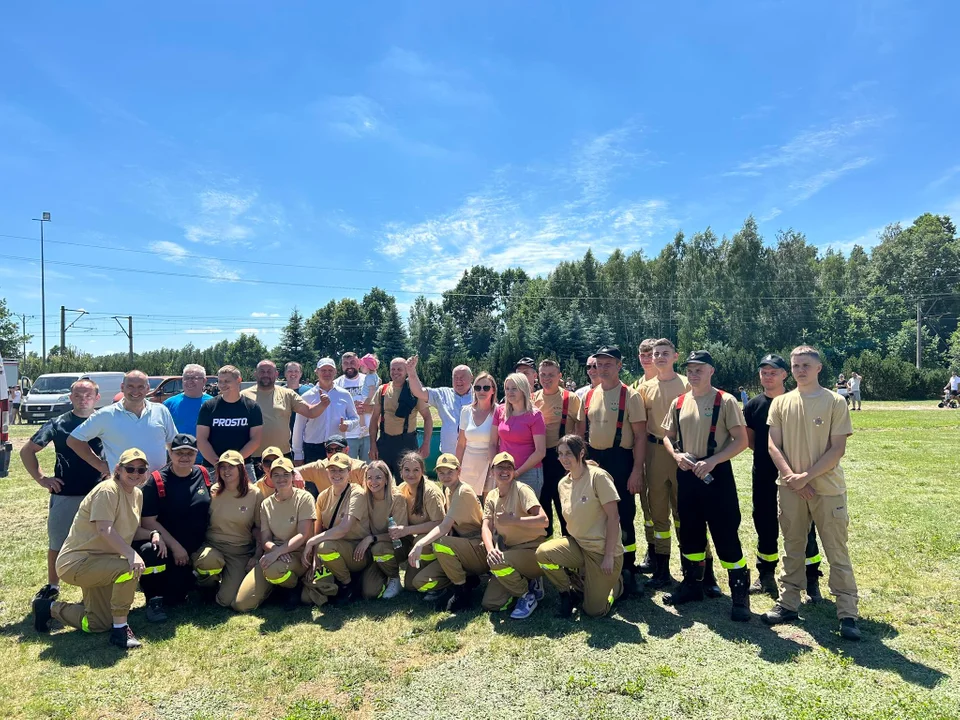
column 950, row 399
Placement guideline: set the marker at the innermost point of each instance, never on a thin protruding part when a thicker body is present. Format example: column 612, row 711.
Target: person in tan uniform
column 647, row 364
column 286, row 521
column 342, row 521
column 393, row 423
column 705, row 429
column 265, row 484
column 614, row 426
column 586, row 566
column 231, row 548
column 809, row 428
column 316, row 472
column 386, row 508
column 426, row 507
column 97, row 557
column 561, row 414
column 461, row 557
column 514, row 525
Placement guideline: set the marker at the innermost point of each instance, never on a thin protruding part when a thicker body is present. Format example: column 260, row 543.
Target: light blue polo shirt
column 448, row 405
column 119, row 430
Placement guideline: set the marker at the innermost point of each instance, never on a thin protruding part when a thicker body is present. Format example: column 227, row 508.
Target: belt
column 654, row 439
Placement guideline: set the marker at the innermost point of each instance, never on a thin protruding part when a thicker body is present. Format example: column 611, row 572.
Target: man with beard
column 352, row 380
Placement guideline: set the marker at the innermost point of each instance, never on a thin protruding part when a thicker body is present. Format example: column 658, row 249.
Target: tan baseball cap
column 448, row 460
column 504, row 457
column 133, row 454
column 339, row 460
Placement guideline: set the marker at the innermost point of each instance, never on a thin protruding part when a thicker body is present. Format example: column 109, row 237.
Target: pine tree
column 294, row 344
column 391, row 337
column 550, row 336
column 577, row 345
column 601, row 333
column 446, row 351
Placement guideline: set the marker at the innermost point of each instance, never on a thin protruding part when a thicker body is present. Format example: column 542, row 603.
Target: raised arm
column 416, row 387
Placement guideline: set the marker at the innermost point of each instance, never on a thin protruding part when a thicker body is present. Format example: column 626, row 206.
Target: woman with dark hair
column 231, row 547
column 386, row 507
column 473, row 445
column 585, row 567
column 97, row 557
column 425, row 509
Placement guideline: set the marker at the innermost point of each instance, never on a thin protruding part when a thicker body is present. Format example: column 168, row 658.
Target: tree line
column 739, row 297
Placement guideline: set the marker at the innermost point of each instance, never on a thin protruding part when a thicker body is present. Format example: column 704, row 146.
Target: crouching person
column 514, row 525
column 386, row 509
column 341, row 523
column 286, row 519
column 231, row 548
column 585, row 567
column 98, row 558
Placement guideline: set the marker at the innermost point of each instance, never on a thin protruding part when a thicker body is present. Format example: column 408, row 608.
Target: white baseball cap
column 324, row 362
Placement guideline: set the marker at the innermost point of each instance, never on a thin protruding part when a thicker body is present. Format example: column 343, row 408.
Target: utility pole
column 64, row 327
column 128, row 331
column 44, row 217
column 919, row 337
column 23, row 320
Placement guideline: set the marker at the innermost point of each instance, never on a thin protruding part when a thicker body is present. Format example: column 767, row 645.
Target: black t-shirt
column 184, row 511
column 229, row 422
column 755, row 413
column 79, row 477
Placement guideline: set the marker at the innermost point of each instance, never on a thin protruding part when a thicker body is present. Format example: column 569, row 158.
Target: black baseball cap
column 182, row 441
column 699, row 357
column 610, row 351
column 336, row 440
column 774, row 360
column 526, row 362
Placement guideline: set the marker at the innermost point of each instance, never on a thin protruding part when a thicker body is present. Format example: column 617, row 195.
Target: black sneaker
column 779, row 614
column 41, row 614
column 569, row 602
column 460, row 598
column 124, row 638
column 155, row 611
column 849, row 629
column 48, row 592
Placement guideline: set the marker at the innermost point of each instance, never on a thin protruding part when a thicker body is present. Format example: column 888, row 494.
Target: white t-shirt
column 360, row 389
column 955, row 382
column 854, row 384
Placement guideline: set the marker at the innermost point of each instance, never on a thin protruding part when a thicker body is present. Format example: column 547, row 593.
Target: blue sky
column 396, row 143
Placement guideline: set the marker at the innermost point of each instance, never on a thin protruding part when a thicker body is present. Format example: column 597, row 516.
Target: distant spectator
column 744, row 397
column 185, row 407
column 853, row 387
column 16, row 396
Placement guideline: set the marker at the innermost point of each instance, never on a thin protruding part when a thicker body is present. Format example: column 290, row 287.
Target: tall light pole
column 44, row 217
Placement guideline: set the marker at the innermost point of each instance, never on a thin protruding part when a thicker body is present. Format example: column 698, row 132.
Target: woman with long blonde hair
column 518, row 428
column 381, row 579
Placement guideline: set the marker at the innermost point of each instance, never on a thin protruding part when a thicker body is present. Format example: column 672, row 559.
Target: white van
column 49, row 397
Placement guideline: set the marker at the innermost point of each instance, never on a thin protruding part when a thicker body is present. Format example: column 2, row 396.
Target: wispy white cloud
column 771, row 214
column 948, row 175
column 417, row 78
column 216, row 270
column 258, row 314
column 255, row 331
column 808, row 187
column 203, row 331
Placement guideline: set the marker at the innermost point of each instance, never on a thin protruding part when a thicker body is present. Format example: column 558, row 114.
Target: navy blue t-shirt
column 79, row 477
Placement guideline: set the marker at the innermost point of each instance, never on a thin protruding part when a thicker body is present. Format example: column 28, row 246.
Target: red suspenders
column 621, row 409
column 162, row 490
column 711, row 438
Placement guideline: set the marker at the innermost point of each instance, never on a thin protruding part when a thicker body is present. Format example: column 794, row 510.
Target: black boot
column 691, row 588
column 710, row 587
column 766, row 582
column 740, row 592
column 813, row 583
column 41, row 614
column 569, row 602
column 649, row 563
column 661, row 573
column 633, row 582
column 124, row 638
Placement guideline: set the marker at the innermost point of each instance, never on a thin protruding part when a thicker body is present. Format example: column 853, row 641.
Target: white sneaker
column 392, row 590
column 525, row 607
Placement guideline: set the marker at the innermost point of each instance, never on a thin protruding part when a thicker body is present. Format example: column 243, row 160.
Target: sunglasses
column 483, row 388
column 591, row 367
column 134, row 469
column 334, row 450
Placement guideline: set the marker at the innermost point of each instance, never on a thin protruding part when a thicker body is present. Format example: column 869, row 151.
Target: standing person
column 293, row 374
column 131, row 422
column 704, row 432
column 773, row 373
column 744, row 397
column 809, row 428
column 473, row 443
column 842, row 390
column 393, row 424
column 591, row 376
column 518, row 428
column 659, row 396
column 449, row 401
column 456, row 542
column 614, row 426
column 72, row 478
column 561, row 414
column 286, row 521
column 16, row 398
column 185, row 407
column 426, row 507
column 514, row 526
column 342, row 521
column 230, row 549
column 176, row 507
column 98, row 557
column 353, row 381
column 853, row 386
column 953, row 384
column 585, row 566
column 230, row 421
column 277, row 405
column 310, row 436
column 645, row 356
column 386, row 509
column 527, row 367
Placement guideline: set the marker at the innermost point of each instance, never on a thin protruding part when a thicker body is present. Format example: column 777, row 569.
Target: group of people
column 319, row 493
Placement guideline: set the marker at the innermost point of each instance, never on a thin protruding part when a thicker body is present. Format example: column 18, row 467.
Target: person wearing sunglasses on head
column 176, row 513
column 473, row 444
column 98, row 557
column 449, row 401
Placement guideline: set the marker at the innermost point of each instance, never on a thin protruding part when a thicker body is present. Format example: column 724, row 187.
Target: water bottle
column 708, row 478
column 391, row 523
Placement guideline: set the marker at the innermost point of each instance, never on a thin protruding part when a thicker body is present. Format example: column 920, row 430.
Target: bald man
column 132, row 422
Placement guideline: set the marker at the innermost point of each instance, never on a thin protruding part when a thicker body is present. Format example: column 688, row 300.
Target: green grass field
column 396, row 659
